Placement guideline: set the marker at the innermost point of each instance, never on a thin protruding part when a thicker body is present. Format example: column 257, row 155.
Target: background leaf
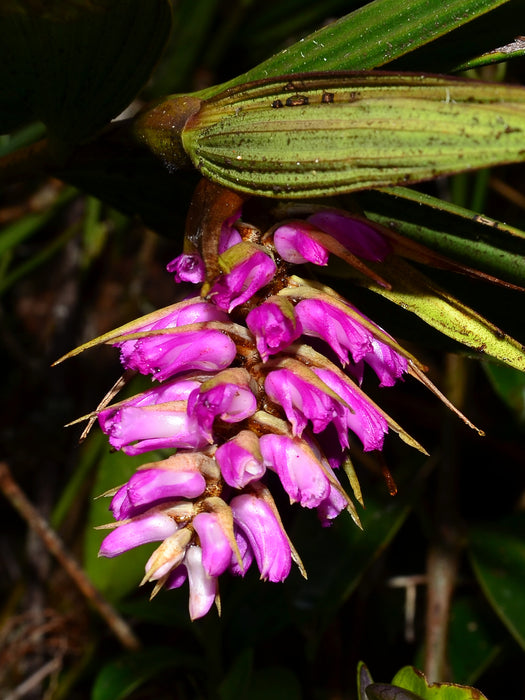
column 498, row 556
column 372, row 36
column 75, row 66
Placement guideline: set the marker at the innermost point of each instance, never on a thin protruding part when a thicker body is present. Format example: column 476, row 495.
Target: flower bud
column 265, row 535
column 246, row 268
column 150, row 527
column 188, row 267
column 274, row 325
column 240, row 459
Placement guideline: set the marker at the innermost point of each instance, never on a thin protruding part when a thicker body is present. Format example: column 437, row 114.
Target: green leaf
column 475, row 638
column 458, row 233
column 510, row 386
column 498, row 556
column 414, row 681
column 415, row 292
column 369, row 37
column 323, row 134
column 76, row 65
column 118, row 679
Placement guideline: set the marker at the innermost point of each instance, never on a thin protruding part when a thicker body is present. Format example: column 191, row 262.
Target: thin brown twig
column 56, row 547
column 445, row 549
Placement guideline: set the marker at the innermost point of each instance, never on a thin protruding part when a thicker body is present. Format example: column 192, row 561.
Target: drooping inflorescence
column 258, row 369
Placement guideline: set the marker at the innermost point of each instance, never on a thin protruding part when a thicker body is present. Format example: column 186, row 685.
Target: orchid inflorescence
column 260, row 370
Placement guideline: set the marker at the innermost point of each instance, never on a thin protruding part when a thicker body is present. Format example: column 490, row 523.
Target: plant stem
column 445, row 548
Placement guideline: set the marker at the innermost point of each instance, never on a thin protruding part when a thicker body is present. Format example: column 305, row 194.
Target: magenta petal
column 273, row 330
column 294, row 244
column 301, row 474
column 243, row 281
column 323, row 320
column 143, row 529
column 203, row 588
column 231, row 402
column 240, row 460
column 151, row 428
column 365, row 420
column 244, row 550
column 388, row 364
column 301, row 401
column 356, row 236
column 229, row 235
column 188, row 267
column 163, row 356
column 265, row 535
column 194, row 310
column 331, row 506
column 148, row 486
column 216, row 549
column 176, row 577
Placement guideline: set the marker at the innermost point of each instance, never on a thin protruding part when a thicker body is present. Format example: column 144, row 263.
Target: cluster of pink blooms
column 244, row 383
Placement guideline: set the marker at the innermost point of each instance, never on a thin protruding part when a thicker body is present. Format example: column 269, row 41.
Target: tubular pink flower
column 247, row 268
column 163, row 356
column 232, row 402
column 301, row 401
column 365, row 420
column 203, row 587
column 149, row 486
column 151, row 427
column 150, row 527
column 265, row 535
column 388, row 364
column 343, row 333
column 356, row 236
column 240, row 460
column 294, row 244
column 273, row 328
column 188, row 267
column 195, row 310
column 216, row 549
column 301, row 474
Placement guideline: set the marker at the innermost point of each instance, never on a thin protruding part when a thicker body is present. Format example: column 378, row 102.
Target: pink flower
column 274, row 325
column 300, row 472
column 203, row 587
column 240, row 459
column 246, row 268
column 151, row 427
column 294, row 244
column 265, row 535
column 149, row 527
column 227, row 396
column 188, row 267
column 328, row 321
column 216, row 548
column 363, row 418
column 355, row 235
column 149, row 486
column 302, row 400
column 171, row 353
column 194, row 310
